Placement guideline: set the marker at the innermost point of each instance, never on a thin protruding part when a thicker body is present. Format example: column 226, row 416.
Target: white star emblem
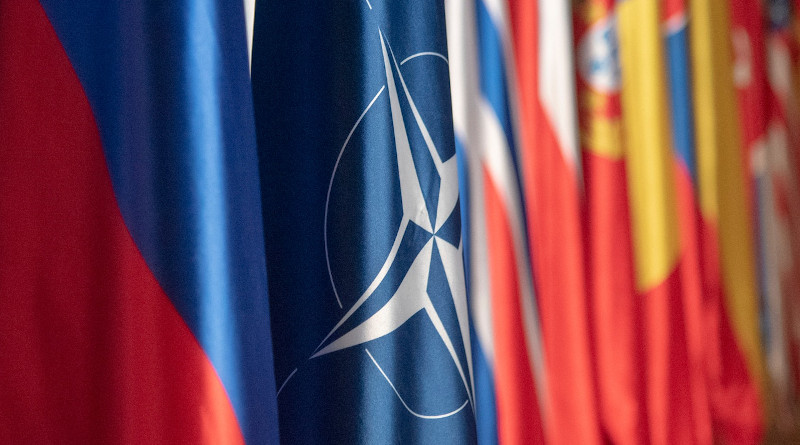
column 412, row 296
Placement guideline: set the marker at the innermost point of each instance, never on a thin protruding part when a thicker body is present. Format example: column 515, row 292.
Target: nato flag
column 363, row 236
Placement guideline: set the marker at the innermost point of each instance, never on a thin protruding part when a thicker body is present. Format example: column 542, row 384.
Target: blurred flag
column 360, row 192
column 656, row 242
column 778, row 208
column 509, row 368
column 548, row 157
column 696, row 300
column 615, row 310
column 133, row 285
column 750, row 80
column 734, row 366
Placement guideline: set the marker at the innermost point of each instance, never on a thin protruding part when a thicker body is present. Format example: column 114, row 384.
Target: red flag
column 615, row 309
column 549, row 156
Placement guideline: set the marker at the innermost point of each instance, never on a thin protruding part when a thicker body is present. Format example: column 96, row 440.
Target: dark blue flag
column 360, row 196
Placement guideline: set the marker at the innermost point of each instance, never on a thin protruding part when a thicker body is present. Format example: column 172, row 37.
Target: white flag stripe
column 557, row 76
column 463, row 71
column 485, row 142
column 249, row 17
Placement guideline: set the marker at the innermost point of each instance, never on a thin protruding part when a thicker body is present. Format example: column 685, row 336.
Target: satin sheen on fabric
column 549, row 159
column 362, row 220
column 95, row 352
column 135, row 296
column 735, row 365
column 699, row 304
column 654, row 222
column 615, row 311
column 511, row 399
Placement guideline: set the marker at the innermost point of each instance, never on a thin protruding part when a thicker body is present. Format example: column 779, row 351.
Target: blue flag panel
column 169, row 89
column 360, row 192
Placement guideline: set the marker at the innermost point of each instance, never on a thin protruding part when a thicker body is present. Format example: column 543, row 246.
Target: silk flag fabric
column 485, row 221
column 789, row 198
column 736, row 371
column 779, row 260
column 615, row 311
column 360, row 191
column 510, row 382
column 133, row 285
column 655, row 233
column 751, row 82
column 698, row 302
column 541, row 36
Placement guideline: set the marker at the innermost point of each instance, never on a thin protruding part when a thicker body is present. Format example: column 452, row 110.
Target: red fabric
column 693, row 302
column 733, row 393
column 552, row 194
column 747, row 20
column 615, row 312
column 673, row 8
column 615, row 309
column 518, row 418
column 667, row 364
column 92, row 349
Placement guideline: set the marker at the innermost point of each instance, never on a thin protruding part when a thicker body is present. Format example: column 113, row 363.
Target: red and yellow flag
column 734, row 362
column 615, row 310
column 656, row 240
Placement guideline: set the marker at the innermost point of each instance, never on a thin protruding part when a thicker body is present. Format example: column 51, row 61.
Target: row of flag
column 457, row 221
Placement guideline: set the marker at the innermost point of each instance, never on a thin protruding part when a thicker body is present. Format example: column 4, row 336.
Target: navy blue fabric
column 169, row 88
column 331, row 195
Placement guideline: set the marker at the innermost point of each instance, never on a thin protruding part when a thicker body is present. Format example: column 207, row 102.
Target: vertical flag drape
column 615, row 311
column 675, row 16
column 735, row 366
column 549, row 159
column 361, row 213
column 655, row 233
column 133, row 298
column 510, row 379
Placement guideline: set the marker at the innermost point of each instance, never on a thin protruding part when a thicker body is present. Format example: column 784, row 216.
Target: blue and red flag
column 133, row 279
column 360, row 192
column 698, row 303
column 510, row 383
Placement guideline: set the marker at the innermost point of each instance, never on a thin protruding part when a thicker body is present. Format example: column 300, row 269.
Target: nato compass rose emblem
column 423, row 273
